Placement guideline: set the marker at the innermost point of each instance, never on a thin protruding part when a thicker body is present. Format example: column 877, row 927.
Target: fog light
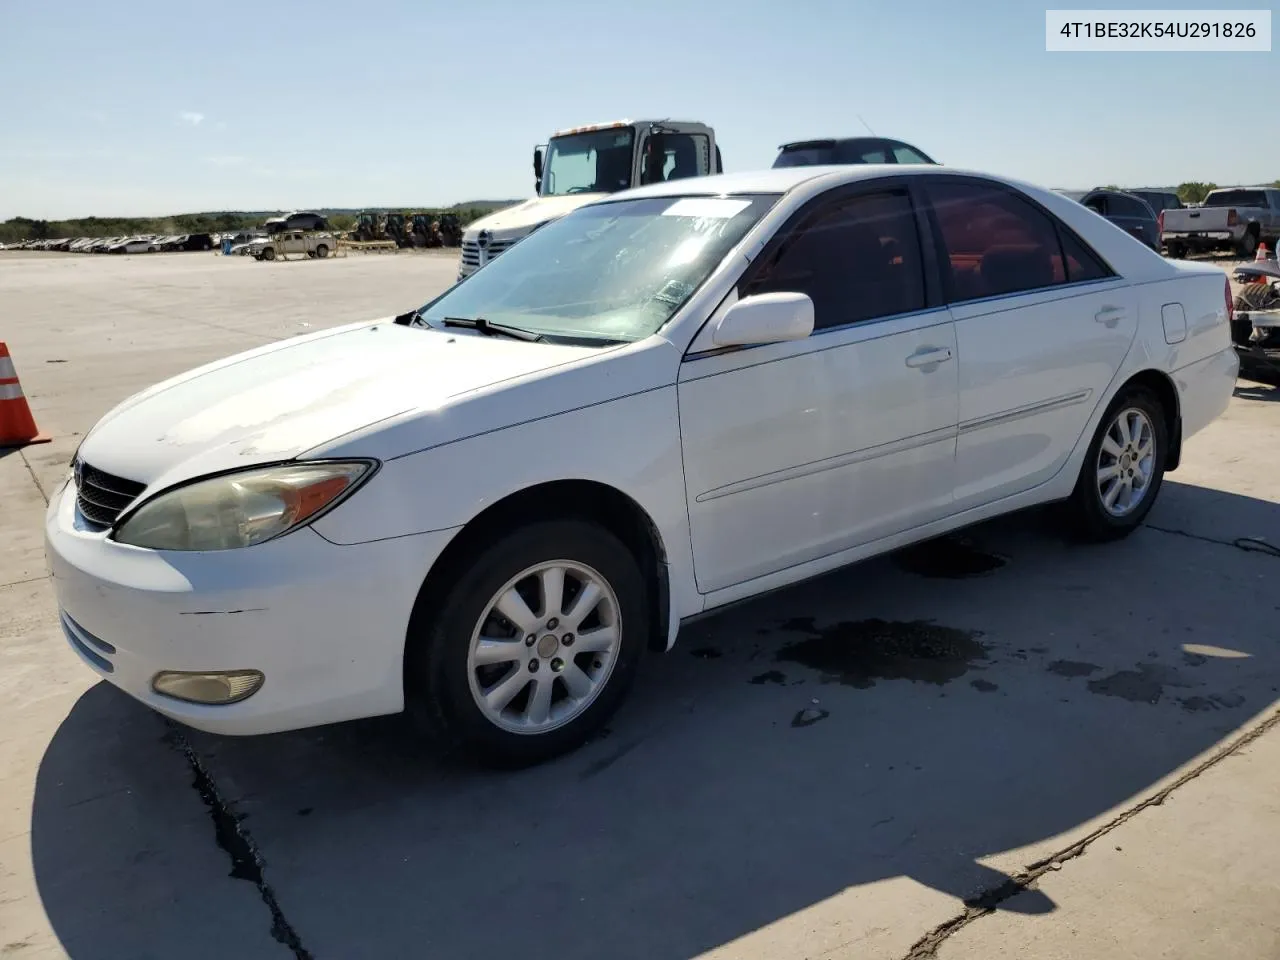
column 229, row 686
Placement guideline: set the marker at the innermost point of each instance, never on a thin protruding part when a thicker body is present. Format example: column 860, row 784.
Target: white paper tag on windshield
column 718, row 208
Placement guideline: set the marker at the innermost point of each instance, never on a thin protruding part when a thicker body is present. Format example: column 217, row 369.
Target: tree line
column 1195, row 191
column 26, row 228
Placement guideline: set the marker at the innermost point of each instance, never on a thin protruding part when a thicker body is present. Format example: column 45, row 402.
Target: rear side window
column 907, row 155
column 856, row 152
column 997, row 243
column 1082, row 263
column 858, row 259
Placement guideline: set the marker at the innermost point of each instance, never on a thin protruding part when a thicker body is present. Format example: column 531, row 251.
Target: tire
column 1248, row 245
column 322, row 251
column 268, row 254
column 1177, row 251
column 445, row 683
column 1087, row 514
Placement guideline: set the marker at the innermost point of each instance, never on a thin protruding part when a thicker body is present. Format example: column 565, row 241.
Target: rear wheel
column 322, row 251
column 1248, row 244
column 1122, row 470
column 532, row 647
column 1177, row 251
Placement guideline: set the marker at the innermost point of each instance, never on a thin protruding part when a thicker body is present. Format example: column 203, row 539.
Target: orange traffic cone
column 17, row 426
column 1262, row 254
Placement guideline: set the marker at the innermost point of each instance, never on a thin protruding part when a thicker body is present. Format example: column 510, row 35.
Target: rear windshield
column 806, row 157
column 1236, row 198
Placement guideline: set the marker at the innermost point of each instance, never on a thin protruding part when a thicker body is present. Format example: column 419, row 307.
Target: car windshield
column 595, row 162
column 1235, row 198
column 613, row 271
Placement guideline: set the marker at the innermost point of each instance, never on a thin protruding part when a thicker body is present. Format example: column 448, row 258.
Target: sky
column 149, row 108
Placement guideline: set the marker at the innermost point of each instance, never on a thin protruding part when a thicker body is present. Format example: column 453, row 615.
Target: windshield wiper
column 492, row 329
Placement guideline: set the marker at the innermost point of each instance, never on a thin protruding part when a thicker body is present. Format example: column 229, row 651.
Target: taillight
column 1233, row 219
column 1160, row 222
column 1231, row 307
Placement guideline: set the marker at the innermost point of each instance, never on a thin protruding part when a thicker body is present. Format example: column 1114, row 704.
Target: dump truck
column 582, row 164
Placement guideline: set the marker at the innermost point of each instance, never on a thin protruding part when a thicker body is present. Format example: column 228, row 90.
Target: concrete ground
column 994, row 745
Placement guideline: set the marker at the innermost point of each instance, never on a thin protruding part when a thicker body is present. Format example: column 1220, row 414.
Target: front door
column 799, row 450
column 1042, row 326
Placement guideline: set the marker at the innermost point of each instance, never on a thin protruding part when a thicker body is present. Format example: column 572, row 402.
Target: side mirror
column 765, row 318
column 537, row 163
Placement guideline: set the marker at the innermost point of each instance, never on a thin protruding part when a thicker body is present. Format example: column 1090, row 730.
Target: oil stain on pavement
column 859, row 653
column 1144, row 684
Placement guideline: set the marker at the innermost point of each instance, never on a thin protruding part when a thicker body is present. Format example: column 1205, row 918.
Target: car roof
column 785, row 179
column 835, row 141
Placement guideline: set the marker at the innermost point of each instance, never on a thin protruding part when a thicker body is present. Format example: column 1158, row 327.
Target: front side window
column 996, row 243
column 594, row 162
column 606, row 272
column 857, row 260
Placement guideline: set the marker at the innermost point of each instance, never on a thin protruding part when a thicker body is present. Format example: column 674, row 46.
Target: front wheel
column 1122, row 470
column 533, row 646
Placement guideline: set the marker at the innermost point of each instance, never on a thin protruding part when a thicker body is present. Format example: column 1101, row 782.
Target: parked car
column 1127, row 211
column 697, row 391
column 131, row 245
column 1232, row 218
column 803, row 153
column 197, row 241
column 1159, row 200
column 296, row 221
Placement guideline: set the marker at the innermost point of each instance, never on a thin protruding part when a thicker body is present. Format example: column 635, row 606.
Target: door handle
column 928, row 356
column 1109, row 316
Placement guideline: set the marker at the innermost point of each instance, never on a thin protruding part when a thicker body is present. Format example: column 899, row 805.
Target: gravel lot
column 993, row 745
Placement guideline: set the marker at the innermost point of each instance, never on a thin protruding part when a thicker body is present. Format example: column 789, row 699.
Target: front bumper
column 325, row 623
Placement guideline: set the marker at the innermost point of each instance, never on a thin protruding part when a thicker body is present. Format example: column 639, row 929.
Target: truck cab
column 582, row 164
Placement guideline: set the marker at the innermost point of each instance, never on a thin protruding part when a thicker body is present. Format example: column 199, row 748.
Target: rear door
column 1042, row 326
column 1134, row 216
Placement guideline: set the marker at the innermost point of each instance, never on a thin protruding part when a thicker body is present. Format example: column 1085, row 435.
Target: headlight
column 241, row 509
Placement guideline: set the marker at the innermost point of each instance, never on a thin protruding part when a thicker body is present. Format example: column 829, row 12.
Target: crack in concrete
column 18, row 583
column 988, row 901
column 246, row 859
column 34, row 479
column 1247, row 544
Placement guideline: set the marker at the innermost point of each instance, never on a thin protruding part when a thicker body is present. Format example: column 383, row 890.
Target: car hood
column 277, row 402
column 529, row 214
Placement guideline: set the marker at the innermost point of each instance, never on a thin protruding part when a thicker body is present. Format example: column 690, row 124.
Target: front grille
column 471, row 256
column 102, row 496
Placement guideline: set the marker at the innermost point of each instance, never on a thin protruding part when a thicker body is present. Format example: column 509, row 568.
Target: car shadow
column 946, row 715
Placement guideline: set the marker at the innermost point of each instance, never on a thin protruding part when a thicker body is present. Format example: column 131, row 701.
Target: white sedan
column 485, row 511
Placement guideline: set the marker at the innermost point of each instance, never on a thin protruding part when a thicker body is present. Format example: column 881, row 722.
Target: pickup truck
column 294, row 241
column 1232, row 218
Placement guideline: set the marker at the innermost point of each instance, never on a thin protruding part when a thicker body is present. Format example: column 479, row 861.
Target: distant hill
column 342, row 218
column 485, row 204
